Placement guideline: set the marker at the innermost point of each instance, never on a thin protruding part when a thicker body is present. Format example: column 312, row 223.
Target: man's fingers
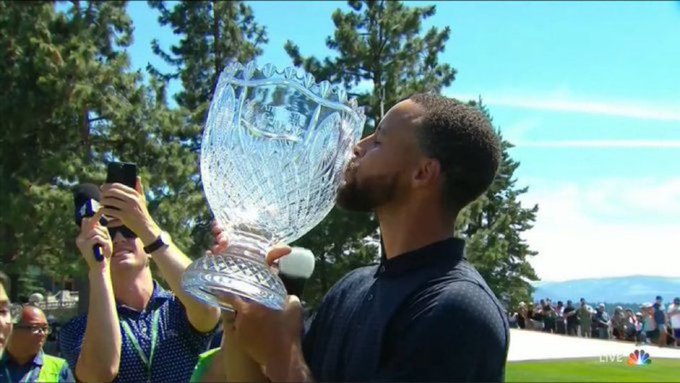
column 293, row 301
column 97, row 216
column 119, row 191
column 99, row 239
column 89, row 222
column 114, row 202
column 113, row 213
column 221, row 239
column 216, row 228
column 277, row 252
column 232, row 300
column 218, row 249
column 138, row 185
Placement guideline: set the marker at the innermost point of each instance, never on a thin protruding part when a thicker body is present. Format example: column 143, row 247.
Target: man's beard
column 374, row 192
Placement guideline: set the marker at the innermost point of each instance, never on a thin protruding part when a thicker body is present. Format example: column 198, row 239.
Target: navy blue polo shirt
column 426, row 315
column 177, row 351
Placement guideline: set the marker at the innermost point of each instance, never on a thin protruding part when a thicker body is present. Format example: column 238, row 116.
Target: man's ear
column 427, row 172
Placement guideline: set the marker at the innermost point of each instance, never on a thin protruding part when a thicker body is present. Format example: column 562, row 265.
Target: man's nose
column 359, row 149
column 118, row 238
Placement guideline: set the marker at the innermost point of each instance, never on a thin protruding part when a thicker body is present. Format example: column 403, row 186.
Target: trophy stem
column 239, row 271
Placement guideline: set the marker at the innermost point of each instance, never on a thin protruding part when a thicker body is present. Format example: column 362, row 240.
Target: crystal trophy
column 274, row 150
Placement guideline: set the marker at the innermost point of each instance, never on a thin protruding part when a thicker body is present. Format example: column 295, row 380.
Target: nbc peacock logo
column 639, row 358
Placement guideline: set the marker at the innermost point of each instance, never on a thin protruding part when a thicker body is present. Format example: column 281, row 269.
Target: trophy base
column 211, row 278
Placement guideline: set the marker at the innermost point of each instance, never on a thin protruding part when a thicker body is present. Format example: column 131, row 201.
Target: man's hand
column 129, row 206
column 93, row 233
column 221, row 243
column 272, row 338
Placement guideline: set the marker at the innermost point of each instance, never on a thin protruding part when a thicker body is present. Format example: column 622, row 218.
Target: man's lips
column 120, row 252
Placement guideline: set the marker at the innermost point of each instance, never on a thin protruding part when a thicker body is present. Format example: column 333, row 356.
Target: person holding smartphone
column 134, row 329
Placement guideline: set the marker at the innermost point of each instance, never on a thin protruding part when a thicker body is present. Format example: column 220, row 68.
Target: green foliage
column 70, row 105
column 339, row 245
column 493, row 227
column 379, row 43
column 212, row 34
column 63, row 80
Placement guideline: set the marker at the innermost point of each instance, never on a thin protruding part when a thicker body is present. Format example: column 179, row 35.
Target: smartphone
column 122, row 172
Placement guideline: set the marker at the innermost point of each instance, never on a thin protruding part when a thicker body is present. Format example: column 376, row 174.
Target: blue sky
column 588, row 92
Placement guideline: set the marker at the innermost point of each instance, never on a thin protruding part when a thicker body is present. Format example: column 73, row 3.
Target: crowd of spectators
column 650, row 323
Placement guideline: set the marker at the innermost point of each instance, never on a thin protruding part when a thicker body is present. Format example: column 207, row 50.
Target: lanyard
column 154, row 339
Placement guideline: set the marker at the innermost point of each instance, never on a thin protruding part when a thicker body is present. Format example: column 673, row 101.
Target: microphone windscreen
column 295, row 269
column 83, row 194
column 298, row 264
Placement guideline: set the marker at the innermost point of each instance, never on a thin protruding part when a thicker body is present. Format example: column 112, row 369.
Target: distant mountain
column 631, row 289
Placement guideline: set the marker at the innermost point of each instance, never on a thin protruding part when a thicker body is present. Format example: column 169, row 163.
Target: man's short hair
column 462, row 139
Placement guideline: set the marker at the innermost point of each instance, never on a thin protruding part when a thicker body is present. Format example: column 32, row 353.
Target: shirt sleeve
column 198, row 341
column 66, row 375
column 71, row 340
column 459, row 336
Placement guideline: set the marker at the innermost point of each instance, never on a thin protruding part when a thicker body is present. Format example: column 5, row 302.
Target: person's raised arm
column 129, row 205
column 272, row 339
column 99, row 357
column 260, row 344
column 234, row 365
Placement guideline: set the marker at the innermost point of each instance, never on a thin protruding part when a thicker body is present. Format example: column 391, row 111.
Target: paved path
column 534, row 345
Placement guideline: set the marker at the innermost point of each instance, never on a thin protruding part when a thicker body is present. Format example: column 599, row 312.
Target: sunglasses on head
column 124, row 230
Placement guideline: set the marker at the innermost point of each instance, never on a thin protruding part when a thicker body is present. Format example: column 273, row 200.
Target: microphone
column 295, row 269
column 86, row 199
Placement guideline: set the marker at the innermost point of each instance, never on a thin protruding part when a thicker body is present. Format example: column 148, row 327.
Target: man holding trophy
column 424, row 313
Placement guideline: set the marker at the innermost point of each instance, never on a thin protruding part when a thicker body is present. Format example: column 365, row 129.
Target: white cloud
column 607, row 228
column 561, row 101
column 601, row 144
column 515, row 131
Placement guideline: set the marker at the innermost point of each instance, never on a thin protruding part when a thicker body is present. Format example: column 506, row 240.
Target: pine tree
column 493, row 227
column 68, row 103
column 380, row 43
column 212, row 34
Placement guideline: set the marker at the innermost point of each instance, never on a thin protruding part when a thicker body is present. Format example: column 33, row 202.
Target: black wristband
column 160, row 241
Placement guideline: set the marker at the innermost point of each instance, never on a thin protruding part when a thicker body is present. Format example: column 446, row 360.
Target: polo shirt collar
column 447, row 250
column 158, row 296
column 5, row 360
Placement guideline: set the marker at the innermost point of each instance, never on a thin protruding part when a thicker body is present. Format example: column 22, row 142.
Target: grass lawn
column 591, row 370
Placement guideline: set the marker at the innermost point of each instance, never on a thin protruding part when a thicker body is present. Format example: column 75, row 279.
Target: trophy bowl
column 274, row 150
